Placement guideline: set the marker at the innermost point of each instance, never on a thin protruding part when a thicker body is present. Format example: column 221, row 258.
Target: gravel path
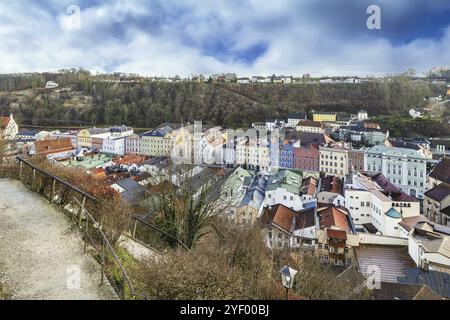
column 41, row 257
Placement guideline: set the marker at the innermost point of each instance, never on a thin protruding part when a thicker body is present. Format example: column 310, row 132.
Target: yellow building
column 324, row 117
column 154, row 143
column 448, row 93
column 84, row 139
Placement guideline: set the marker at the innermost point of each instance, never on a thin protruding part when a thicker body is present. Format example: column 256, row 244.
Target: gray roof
column 133, row 190
column 437, row 281
column 255, row 195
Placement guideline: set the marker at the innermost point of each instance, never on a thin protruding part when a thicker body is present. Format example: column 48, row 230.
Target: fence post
column 52, row 193
column 20, row 170
column 134, row 228
column 103, row 259
column 33, row 179
column 82, row 208
column 86, row 235
column 123, row 286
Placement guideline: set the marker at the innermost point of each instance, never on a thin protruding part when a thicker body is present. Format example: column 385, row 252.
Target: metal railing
column 106, row 248
column 92, row 230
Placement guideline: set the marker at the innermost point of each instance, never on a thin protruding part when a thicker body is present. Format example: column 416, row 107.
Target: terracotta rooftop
column 279, row 215
column 44, row 147
column 331, row 216
column 4, row 121
column 310, row 123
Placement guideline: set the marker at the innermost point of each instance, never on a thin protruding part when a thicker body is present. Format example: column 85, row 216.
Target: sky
column 247, row 37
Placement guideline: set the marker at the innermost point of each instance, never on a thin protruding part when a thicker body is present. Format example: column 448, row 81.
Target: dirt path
column 40, row 255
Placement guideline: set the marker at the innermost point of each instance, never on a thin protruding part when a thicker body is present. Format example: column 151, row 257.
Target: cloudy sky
column 168, row 37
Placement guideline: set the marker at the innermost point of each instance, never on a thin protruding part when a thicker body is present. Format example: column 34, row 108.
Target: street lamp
column 287, row 278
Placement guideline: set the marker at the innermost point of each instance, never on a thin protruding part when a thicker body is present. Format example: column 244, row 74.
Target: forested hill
column 85, row 99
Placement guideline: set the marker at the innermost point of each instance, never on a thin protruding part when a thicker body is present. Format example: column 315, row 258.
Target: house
column 333, row 160
column 234, row 189
column 152, row 143
column 376, row 203
column 130, row 190
column 421, row 147
column 429, row 246
column 307, row 158
column 416, row 113
column 355, row 160
column 435, row 203
column 252, row 204
column 362, row 115
column 8, row 128
column 405, row 168
column 114, row 146
column 287, row 149
column 121, row 132
column 286, row 228
column 331, row 191
column 72, row 135
column 253, row 154
column 294, row 118
column 259, row 79
column 324, row 116
column 440, row 173
column 310, row 126
column 333, row 243
column 244, row 80
column 284, row 188
column 133, row 144
column 51, row 85
column 26, row 135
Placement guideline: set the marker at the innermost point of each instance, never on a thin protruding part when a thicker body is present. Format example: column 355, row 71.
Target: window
column 326, row 246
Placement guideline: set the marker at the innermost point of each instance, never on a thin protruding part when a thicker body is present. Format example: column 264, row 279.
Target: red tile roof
column 279, row 215
column 44, row 147
column 310, row 123
column 4, row 121
column 332, row 216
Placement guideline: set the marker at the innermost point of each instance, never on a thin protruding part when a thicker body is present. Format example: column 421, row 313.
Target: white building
column 363, row 115
column 133, row 144
column 254, row 154
column 114, row 146
column 8, row 128
column 121, row 132
column 378, row 203
column 405, row 168
column 284, row 188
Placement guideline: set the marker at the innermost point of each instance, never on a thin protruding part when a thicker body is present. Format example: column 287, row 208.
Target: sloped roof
column 310, row 123
column 441, row 171
column 438, row 282
column 43, row 147
column 255, row 195
column 439, row 193
column 395, row 152
column 285, row 179
column 4, row 121
column 279, row 215
column 332, row 216
column 297, row 115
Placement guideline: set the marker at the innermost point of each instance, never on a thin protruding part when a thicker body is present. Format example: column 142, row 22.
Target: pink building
column 307, row 158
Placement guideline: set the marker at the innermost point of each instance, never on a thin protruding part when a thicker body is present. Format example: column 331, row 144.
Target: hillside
column 83, row 99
